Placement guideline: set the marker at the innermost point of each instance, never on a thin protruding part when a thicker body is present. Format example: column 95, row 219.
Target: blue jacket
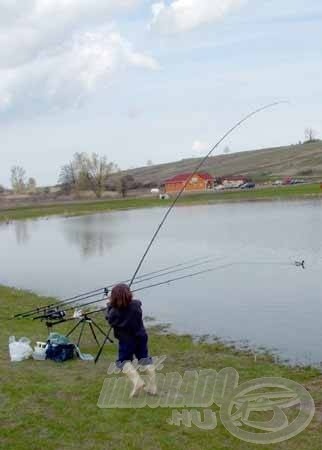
column 126, row 322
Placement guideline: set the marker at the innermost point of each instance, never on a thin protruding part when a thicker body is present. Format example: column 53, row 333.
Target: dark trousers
column 136, row 347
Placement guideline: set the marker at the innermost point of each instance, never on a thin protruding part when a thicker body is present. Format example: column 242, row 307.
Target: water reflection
column 22, row 231
column 93, row 235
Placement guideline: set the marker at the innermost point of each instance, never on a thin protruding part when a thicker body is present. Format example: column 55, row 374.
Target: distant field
column 302, row 160
column 81, row 208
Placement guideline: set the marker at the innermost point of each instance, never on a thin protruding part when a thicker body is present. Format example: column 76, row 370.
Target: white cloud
column 16, row 10
column 185, row 15
column 55, row 52
column 68, row 73
column 29, row 27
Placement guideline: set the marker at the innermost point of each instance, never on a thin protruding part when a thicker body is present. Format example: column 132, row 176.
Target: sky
column 140, row 80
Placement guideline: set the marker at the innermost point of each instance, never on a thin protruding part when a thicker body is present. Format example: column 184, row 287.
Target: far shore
column 84, row 207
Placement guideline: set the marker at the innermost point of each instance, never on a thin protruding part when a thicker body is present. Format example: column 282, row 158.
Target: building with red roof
column 201, row 181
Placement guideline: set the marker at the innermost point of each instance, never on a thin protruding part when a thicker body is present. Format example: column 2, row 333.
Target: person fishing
column 124, row 314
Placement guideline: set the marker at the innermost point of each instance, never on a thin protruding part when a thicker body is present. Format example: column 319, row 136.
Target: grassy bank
column 54, row 406
column 81, row 208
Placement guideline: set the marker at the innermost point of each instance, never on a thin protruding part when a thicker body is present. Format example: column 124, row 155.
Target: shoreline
column 34, row 300
column 256, row 350
column 80, row 208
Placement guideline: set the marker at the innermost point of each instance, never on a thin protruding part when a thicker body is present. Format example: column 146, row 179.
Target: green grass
column 45, row 405
column 81, row 208
column 296, row 191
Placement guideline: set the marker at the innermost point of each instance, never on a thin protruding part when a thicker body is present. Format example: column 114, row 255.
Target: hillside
column 302, row 160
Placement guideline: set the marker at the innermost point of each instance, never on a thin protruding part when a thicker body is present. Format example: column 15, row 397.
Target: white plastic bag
column 19, row 350
column 83, row 356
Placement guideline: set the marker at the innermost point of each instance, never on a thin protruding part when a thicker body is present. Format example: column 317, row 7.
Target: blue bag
column 60, row 352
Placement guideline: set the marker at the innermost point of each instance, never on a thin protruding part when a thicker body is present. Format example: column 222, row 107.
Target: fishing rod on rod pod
column 100, row 291
column 60, row 314
column 180, row 278
column 86, row 316
column 59, row 320
column 177, row 197
column 150, row 286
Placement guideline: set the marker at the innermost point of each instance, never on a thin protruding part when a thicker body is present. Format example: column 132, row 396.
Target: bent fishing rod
column 180, row 278
column 198, row 166
column 100, row 291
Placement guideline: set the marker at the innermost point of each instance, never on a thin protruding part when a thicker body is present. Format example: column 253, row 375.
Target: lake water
column 262, row 299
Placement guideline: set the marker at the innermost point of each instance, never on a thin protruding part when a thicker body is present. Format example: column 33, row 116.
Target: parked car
column 248, row 185
column 287, row 180
column 277, row 183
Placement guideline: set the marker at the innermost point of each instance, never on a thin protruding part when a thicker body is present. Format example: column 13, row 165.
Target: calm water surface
column 262, row 299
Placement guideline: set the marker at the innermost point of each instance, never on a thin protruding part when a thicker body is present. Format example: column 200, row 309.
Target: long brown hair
column 121, row 296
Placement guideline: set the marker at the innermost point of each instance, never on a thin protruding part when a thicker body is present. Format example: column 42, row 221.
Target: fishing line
column 168, row 281
column 161, row 273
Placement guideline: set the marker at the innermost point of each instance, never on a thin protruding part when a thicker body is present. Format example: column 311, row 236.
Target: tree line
column 92, row 172
column 19, row 181
column 84, row 172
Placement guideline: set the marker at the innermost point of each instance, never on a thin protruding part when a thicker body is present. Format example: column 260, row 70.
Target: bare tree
column 72, row 174
column 149, row 163
column 310, row 135
column 67, row 178
column 95, row 171
column 18, row 179
column 86, row 172
column 122, row 186
column 31, row 185
column 125, row 183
